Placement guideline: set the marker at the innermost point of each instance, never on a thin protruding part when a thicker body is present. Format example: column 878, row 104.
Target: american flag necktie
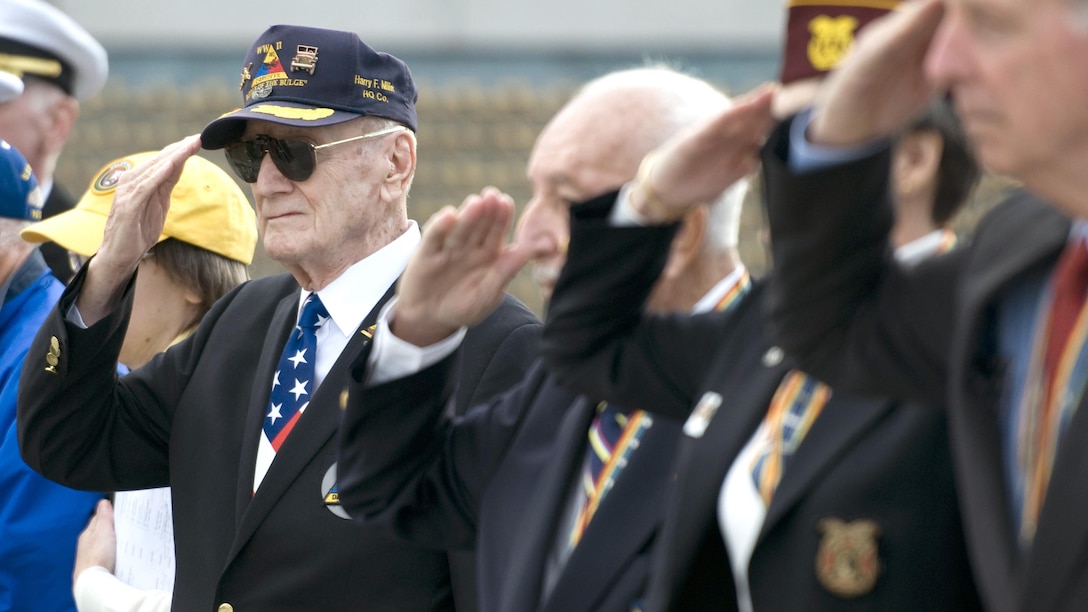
column 292, row 384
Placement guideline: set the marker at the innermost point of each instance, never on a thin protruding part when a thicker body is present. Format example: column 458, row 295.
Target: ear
column 63, row 114
column 687, row 244
column 915, row 162
column 402, row 167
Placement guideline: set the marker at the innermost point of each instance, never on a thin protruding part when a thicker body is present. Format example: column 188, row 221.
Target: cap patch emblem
column 107, row 181
column 270, row 74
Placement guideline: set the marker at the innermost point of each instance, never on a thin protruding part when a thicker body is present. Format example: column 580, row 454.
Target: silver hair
column 679, row 101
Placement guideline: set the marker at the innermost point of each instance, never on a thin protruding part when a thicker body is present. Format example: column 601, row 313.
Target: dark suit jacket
column 191, row 419
column 851, row 315
column 500, row 479
column 862, row 460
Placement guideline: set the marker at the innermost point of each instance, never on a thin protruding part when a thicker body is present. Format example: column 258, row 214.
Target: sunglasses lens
column 295, row 159
column 245, row 159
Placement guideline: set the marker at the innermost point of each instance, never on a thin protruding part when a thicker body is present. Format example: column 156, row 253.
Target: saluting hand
column 135, row 222
column 881, row 85
column 696, row 166
column 460, row 271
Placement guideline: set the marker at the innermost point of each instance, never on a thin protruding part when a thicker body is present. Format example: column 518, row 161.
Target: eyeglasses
column 295, row 158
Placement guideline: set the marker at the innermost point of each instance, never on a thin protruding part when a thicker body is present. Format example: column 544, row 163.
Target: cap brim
column 77, row 230
column 230, row 127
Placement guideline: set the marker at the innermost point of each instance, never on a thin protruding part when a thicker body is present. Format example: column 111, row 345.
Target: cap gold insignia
column 344, row 399
column 848, row 558
column 245, row 76
column 287, row 112
column 306, row 59
column 700, row 417
column 21, row 65
column 53, row 356
column 831, row 39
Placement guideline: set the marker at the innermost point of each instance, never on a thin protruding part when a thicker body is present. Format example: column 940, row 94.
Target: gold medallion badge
column 848, row 560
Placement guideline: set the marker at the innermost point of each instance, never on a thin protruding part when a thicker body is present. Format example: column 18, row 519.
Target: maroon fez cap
column 819, row 33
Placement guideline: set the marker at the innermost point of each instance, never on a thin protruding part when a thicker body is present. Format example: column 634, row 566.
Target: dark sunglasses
column 294, row 158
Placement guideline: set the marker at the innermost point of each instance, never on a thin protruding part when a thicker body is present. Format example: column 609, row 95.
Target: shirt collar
column 718, row 291
column 920, row 248
column 354, row 293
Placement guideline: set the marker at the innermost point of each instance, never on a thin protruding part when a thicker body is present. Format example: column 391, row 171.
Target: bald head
column 595, row 143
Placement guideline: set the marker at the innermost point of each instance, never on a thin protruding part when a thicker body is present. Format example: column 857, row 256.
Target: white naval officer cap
column 40, row 41
column 11, row 86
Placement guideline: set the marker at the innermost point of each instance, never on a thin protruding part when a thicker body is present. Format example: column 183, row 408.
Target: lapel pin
column 700, row 417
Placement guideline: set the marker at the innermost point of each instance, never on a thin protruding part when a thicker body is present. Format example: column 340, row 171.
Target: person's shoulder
column 511, row 313
column 266, row 287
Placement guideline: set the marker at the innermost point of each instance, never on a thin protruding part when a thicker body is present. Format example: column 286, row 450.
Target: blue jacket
column 39, row 520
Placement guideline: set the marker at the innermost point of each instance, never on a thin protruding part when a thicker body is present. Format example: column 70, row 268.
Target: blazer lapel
column 1040, row 235
column 626, row 520
column 842, row 421
column 283, row 321
column 1061, row 542
column 702, row 463
column 527, row 568
column 315, row 427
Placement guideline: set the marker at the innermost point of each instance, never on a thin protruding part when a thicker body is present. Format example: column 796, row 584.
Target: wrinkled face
column 24, row 122
column 584, row 152
column 1018, row 75
column 328, row 217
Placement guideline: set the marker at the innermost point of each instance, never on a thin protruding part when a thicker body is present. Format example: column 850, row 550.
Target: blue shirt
column 39, row 520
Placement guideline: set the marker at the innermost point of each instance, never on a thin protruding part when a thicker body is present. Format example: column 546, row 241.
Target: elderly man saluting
column 240, row 419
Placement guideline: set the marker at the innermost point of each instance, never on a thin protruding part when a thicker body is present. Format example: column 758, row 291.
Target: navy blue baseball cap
column 310, row 77
column 20, row 197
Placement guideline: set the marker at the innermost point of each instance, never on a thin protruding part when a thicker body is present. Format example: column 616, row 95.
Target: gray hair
column 679, row 102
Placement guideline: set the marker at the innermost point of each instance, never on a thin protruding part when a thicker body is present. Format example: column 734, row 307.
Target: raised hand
column 881, row 85
column 698, row 165
column 460, row 271
column 97, row 545
column 135, row 222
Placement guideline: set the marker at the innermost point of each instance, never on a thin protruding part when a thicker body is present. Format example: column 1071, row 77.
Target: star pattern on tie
column 300, row 357
column 299, row 389
column 286, row 405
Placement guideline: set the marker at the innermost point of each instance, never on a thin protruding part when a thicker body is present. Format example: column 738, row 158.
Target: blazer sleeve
column 599, row 341
column 838, row 301
column 81, row 425
column 405, row 466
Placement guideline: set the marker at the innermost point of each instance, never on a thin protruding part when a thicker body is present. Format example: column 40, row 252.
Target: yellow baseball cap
column 207, row 209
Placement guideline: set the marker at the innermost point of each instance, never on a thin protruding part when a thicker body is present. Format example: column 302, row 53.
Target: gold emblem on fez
column 831, row 39
column 848, row 559
column 52, row 358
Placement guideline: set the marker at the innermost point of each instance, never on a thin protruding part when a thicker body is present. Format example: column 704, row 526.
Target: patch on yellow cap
column 287, row 112
column 107, row 180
